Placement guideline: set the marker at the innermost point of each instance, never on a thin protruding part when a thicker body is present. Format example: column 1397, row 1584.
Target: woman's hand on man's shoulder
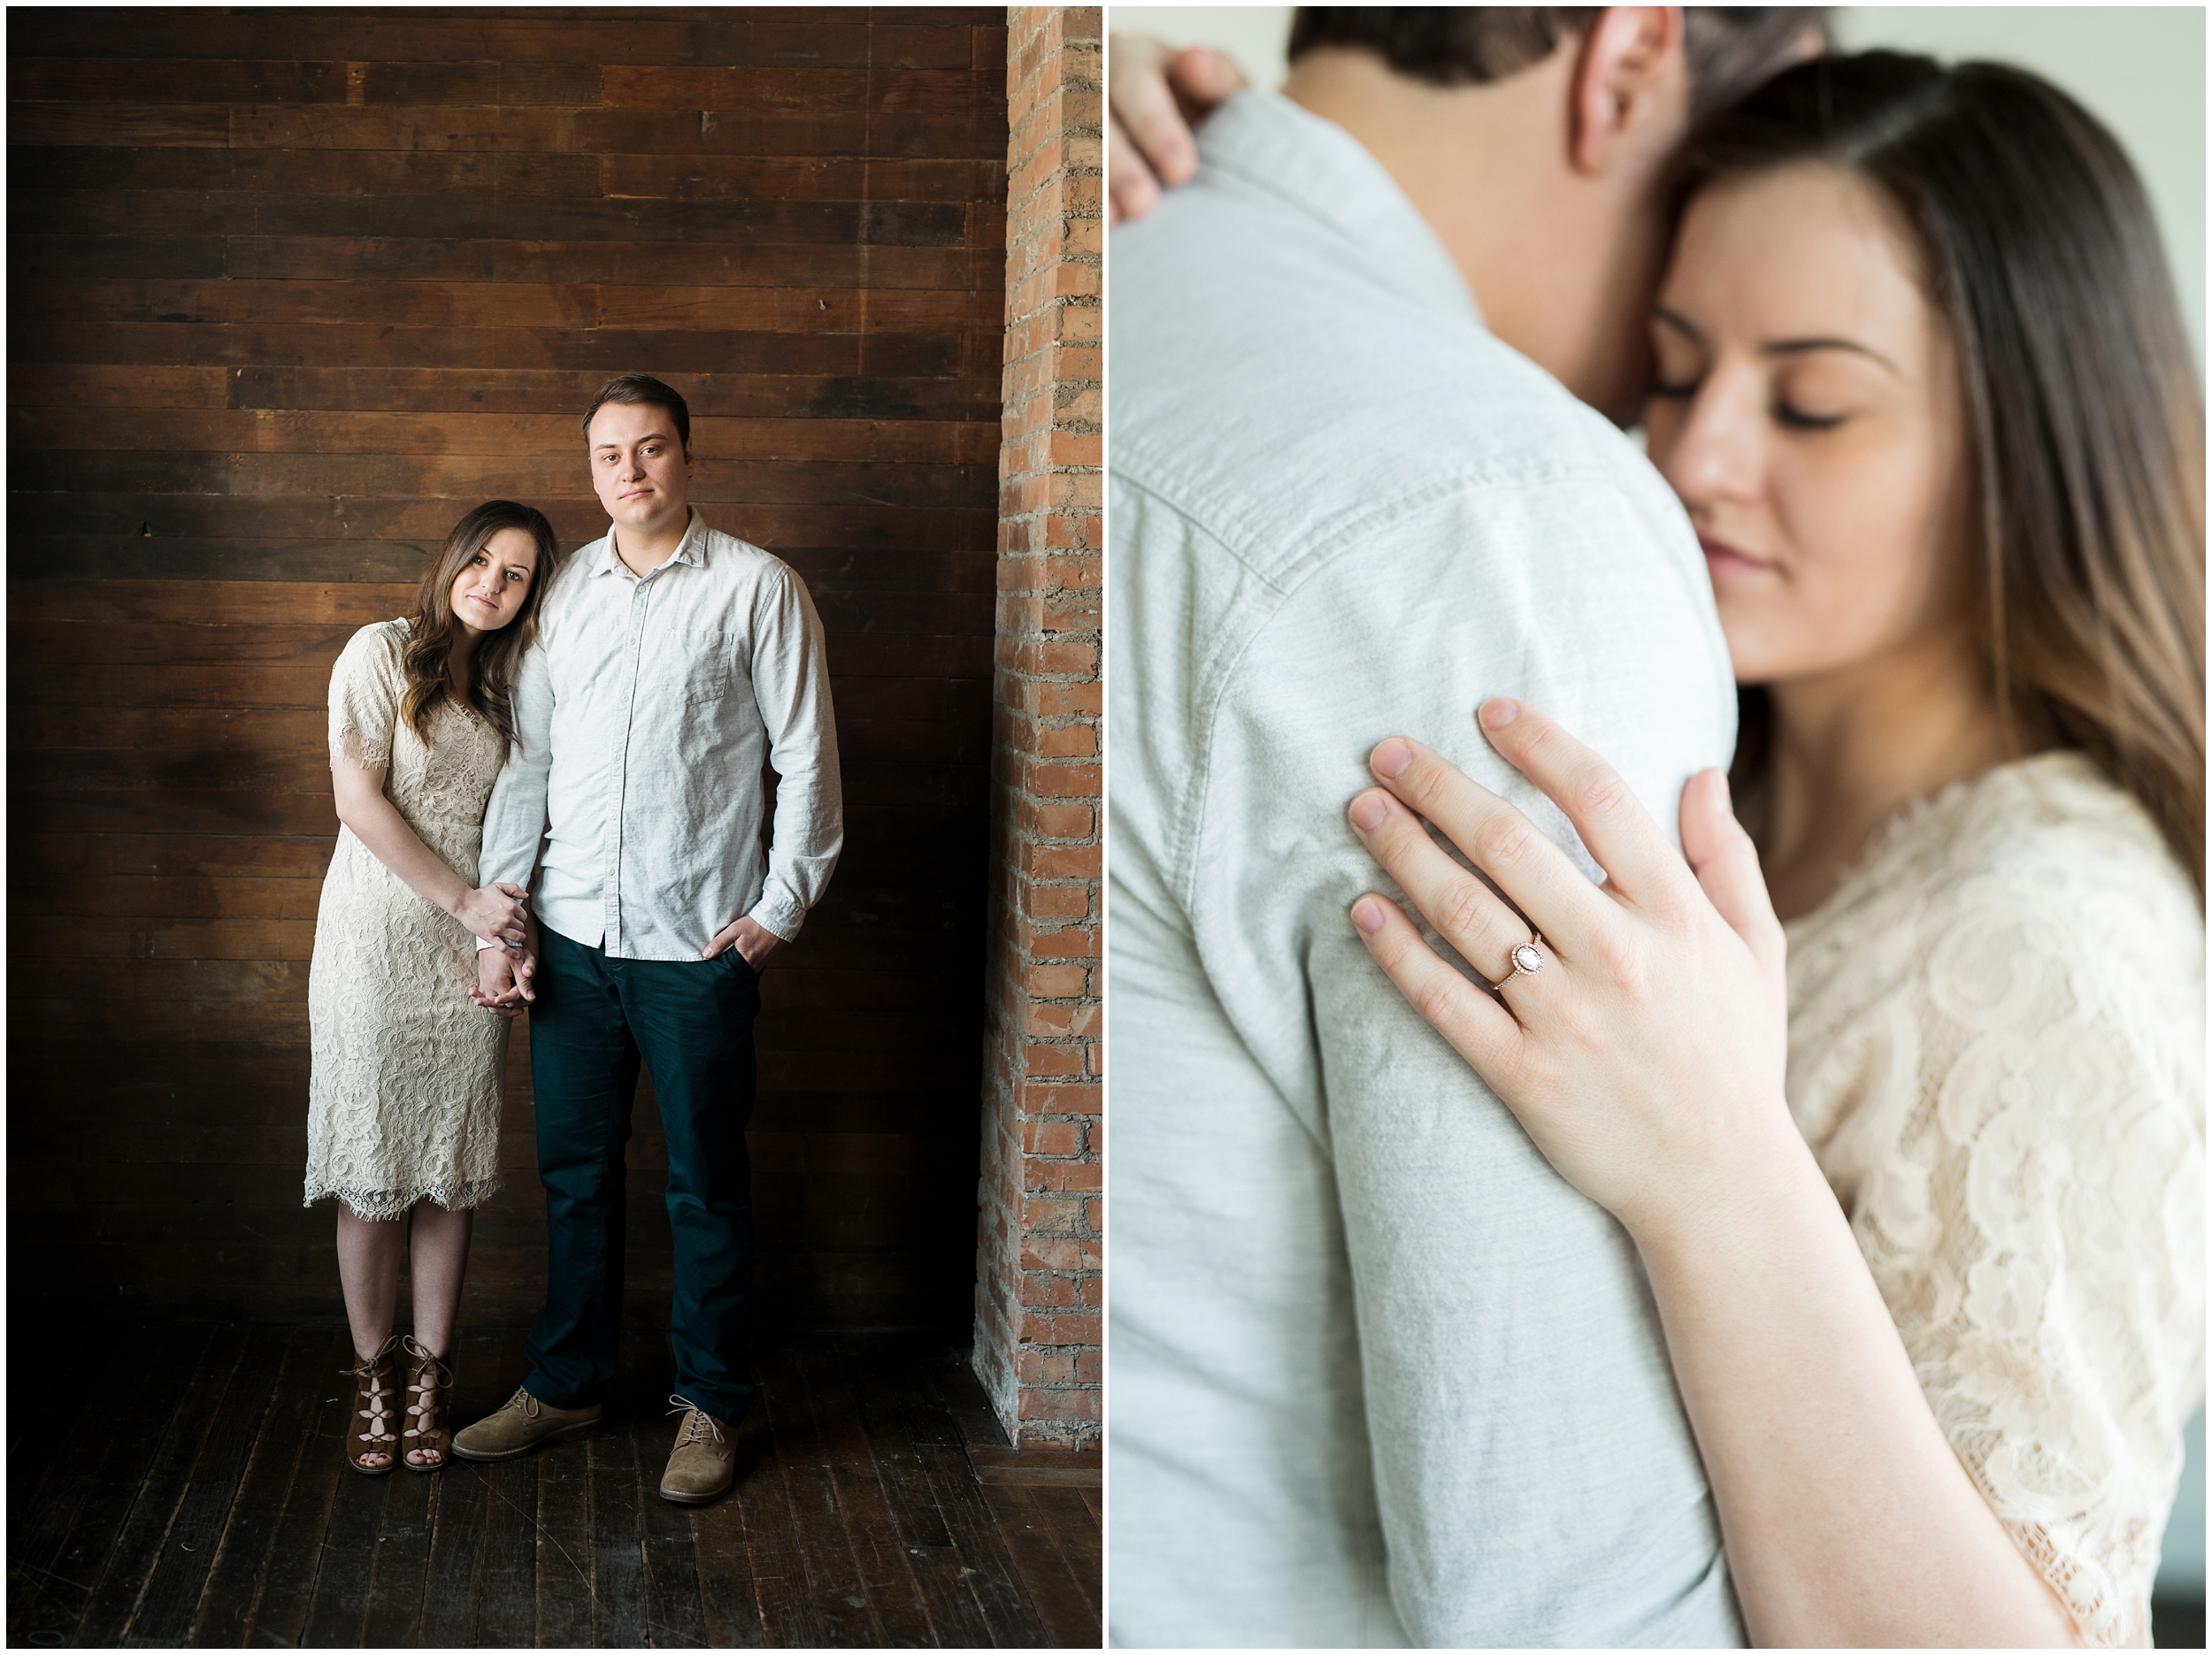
column 1155, row 95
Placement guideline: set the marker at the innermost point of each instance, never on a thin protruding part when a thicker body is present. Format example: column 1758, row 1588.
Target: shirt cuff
column 780, row 920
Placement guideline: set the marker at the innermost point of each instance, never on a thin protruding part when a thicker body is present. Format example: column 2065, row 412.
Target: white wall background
column 2139, row 69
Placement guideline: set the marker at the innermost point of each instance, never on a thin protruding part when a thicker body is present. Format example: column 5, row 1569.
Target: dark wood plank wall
column 290, row 291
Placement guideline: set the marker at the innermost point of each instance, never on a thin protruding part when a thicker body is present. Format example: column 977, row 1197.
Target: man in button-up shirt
column 1380, row 1374
column 672, row 663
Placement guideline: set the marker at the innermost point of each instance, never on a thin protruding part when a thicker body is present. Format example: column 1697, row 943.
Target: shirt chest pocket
column 705, row 672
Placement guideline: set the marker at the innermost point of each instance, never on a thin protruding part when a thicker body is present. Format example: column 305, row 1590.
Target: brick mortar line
column 1051, row 797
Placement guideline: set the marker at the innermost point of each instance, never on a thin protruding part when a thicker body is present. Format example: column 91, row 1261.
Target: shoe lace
column 522, row 1399
column 699, row 1417
column 431, row 1379
column 371, row 1376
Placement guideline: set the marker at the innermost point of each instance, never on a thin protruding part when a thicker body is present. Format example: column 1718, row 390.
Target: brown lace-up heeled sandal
column 429, row 1388
column 375, row 1412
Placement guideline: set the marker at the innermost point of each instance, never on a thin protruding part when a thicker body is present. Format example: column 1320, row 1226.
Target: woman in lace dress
column 403, row 1102
column 1936, row 1318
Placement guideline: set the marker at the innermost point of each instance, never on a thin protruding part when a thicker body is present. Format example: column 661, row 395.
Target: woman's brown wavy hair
column 2085, row 419
column 433, row 627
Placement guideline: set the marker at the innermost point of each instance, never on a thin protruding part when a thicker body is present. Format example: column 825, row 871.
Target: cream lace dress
column 1997, row 1053
column 403, row 1099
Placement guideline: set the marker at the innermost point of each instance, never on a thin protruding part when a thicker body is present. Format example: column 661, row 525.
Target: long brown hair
column 2085, row 420
column 433, row 628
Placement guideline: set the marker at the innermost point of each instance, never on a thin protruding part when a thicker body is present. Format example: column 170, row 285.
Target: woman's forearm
column 1848, row 1519
column 1642, row 1046
column 378, row 824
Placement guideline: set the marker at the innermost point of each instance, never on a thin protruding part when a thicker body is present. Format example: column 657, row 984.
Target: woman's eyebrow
column 1800, row 347
column 1781, row 347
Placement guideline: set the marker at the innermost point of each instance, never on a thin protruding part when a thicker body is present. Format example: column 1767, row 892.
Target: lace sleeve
column 2037, row 1228
column 365, row 686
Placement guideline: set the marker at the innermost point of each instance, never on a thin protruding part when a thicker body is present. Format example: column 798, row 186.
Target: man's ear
column 1629, row 71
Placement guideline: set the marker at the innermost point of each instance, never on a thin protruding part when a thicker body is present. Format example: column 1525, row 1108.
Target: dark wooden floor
column 183, row 1485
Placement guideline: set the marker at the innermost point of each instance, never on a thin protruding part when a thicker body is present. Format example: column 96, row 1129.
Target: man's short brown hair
column 1732, row 49
column 643, row 389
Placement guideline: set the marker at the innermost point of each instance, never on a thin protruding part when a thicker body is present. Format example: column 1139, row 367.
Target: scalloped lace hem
column 377, row 1204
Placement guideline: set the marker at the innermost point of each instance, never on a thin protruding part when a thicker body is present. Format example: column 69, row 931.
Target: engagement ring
column 1527, row 960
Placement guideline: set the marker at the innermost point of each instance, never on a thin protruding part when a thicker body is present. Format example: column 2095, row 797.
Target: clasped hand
column 499, row 912
column 1643, row 1056
column 503, row 978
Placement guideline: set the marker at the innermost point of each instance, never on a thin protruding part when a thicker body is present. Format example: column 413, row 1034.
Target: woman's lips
column 1722, row 558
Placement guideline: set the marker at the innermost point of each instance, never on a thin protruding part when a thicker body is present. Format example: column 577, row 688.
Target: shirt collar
column 1270, row 144
column 691, row 549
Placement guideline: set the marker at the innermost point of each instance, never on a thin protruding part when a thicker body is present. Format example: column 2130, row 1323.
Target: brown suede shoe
column 703, row 1464
column 521, row 1425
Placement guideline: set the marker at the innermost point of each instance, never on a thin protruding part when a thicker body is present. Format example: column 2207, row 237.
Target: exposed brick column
column 1041, row 1234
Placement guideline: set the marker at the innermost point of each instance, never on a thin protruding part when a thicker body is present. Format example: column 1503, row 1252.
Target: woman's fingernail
column 1392, row 757
column 1369, row 809
column 1499, row 713
column 1368, row 916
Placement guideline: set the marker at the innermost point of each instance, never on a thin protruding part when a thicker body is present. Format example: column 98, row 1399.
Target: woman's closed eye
column 1784, row 413
column 1795, row 419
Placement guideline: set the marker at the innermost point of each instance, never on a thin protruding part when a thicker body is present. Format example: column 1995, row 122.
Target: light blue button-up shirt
column 1377, row 1373
column 644, row 717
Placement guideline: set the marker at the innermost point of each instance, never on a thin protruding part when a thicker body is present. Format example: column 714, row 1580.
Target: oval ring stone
column 1525, row 959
